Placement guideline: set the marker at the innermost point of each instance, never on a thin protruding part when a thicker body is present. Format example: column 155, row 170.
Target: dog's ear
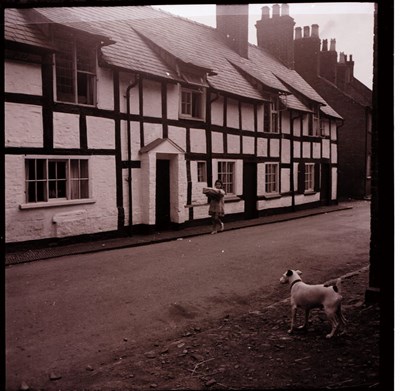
column 289, row 273
column 299, row 272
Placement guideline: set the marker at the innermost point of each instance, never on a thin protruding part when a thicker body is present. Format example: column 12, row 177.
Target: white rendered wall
column 326, row 144
column 152, row 98
column 334, row 183
column 172, row 101
column 316, row 150
column 285, row 180
column 105, row 89
column 247, row 116
column 100, row 132
column 178, row 136
column 151, row 132
column 60, row 221
column 233, row 143
column 217, row 141
column 285, row 158
column 248, row 145
column 285, row 122
column 66, row 130
column 20, row 77
column 23, row 125
column 232, row 113
column 306, row 149
column 333, row 131
column 198, row 140
column 274, row 148
column 262, row 146
column 217, row 112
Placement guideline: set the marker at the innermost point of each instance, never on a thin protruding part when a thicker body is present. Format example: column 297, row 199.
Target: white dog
column 314, row 296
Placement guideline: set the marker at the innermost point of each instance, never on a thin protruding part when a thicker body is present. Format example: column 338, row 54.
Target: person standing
column 216, row 209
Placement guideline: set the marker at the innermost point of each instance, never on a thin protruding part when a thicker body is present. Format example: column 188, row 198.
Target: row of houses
column 117, row 117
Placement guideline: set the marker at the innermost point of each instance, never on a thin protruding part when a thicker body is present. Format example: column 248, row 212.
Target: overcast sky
column 351, row 24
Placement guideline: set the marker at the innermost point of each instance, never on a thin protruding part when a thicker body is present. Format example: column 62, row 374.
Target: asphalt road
column 67, row 313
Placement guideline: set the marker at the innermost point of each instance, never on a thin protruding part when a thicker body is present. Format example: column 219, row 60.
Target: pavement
column 14, row 256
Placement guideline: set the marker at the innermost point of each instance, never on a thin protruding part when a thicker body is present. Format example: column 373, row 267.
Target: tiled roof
column 19, row 28
column 138, row 30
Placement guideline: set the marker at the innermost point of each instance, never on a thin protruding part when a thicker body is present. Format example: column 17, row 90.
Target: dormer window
column 192, row 103
column 271, row 116
column 313, row 123
column 75, row 70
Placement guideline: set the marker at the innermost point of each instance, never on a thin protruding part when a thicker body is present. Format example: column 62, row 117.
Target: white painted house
column 117, row 117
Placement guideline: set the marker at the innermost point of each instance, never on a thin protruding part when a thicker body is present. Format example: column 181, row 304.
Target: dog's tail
column 338, row 285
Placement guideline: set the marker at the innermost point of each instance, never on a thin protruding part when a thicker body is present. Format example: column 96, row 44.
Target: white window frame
column 91, row 76
column 66, row 199
column 309, row 177
column 271, row 116
column 226, row 171
column 271, row 178
column 187, row 112
column 201, row 171
column 314, row 124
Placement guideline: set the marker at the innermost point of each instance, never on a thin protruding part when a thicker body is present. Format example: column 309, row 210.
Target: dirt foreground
column 249, row 351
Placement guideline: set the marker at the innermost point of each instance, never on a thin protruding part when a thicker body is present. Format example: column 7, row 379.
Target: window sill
column 232, row 198
column 52, row 204
column 310, row 192
column 184, row 117
column 270, row 196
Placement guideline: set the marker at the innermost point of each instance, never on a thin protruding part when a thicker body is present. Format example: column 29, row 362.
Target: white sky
column 351, row 24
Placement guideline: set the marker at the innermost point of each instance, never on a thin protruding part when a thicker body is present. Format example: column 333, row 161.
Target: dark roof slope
column 141, row 33
column 19, row 28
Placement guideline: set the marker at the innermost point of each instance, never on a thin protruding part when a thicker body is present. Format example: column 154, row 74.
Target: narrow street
column 65, row 314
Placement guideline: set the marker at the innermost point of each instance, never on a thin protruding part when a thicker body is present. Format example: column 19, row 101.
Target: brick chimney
column 275, row 34
column 233, row 25
column 328, row 60
column 344, row 71
column 306, row 52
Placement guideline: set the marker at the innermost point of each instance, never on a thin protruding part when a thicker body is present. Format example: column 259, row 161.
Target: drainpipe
column 338, row 154
column 128, row 127
column 292, row 118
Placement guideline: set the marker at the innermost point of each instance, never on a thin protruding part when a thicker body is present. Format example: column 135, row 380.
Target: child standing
column 216, row 210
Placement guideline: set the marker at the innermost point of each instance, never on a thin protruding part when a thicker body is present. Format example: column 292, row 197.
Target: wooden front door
column 250, row 190
column 163, row 218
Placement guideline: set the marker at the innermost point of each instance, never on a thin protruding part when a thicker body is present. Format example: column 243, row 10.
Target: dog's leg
column 294, row 311
column 334, row 323
column 305, row 325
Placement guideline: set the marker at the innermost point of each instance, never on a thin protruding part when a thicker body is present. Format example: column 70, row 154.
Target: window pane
column 85, row 88
column 61, row 189
column 41, row 191
column 74, row 169
column 52, row 170
column 31, row 192
column 74, row 189
column 61, row 170
column 84, row 173
column 85, row 58
column 30, row 169
column 41, row 169
column 84, row 188
column 52, row 189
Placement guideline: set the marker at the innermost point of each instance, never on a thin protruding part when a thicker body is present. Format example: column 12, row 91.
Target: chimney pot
column 265, row 12
column 341, row 58
column 351, row 57
column 306, row 31
column 324, row 45
column 276, row 10
column 297, row 33
column 333, row 45
column 314, row 30
column 285, row 10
